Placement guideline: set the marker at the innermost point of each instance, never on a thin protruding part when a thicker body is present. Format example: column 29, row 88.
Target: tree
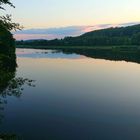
column 3, row 2
column 7, row 42
column 6, row 21
column 136, row 39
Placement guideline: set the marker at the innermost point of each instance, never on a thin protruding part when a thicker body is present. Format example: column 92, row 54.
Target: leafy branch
column 2, row 2
column 6, row 22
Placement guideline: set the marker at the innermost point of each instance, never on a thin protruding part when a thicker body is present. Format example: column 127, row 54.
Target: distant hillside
column 106, row 37
column 113, row 36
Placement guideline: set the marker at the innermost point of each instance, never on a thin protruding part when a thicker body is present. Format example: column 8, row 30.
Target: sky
column 58, row 14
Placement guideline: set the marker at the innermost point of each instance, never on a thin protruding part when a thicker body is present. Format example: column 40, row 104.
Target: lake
column 74, row 97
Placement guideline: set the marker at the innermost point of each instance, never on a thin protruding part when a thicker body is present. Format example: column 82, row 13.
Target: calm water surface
column 75, row 98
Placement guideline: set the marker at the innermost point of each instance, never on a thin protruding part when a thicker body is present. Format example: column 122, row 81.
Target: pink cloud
column 52, row 33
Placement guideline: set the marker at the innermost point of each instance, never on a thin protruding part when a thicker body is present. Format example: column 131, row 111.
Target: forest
column 105, row 37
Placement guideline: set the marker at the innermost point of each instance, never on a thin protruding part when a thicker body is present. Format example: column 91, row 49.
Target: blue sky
column 59, row 13
column 63, row 13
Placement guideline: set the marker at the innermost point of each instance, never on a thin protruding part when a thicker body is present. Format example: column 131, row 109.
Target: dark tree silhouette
column 7, row 42
column 6, row 21
column 3, row 2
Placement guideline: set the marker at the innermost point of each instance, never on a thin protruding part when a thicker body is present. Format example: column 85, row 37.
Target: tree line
column 106, row 37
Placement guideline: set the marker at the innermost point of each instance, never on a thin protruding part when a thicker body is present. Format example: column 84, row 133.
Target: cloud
column 52, row 33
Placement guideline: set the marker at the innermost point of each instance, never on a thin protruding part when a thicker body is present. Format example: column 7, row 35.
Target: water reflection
column 125, row 54
column 75, row 99
column 10, row 137
column 121, row 54
column 53, row 54
column 14, row 87
column 10, row 85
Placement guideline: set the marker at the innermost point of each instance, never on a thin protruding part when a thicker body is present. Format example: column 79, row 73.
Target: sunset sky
column 66, row 13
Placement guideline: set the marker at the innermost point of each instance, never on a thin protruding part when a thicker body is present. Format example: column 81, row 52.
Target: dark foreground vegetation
column 106, row 37
column 7, row 46
column 9, row 85
column 7, row 42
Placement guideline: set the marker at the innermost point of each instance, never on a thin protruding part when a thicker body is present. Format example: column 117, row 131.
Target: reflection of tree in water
column 9, row 137
column 129, row 54
column 15, row 88
column 10, row 86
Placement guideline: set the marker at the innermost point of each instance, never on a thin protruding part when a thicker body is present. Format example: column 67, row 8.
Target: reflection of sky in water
column 30, row 53
column 78, row 99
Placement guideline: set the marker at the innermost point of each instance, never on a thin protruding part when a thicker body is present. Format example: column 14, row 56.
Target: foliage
column 106, row 37
column 7, row 42
column 6, row 22
column 2, row 2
